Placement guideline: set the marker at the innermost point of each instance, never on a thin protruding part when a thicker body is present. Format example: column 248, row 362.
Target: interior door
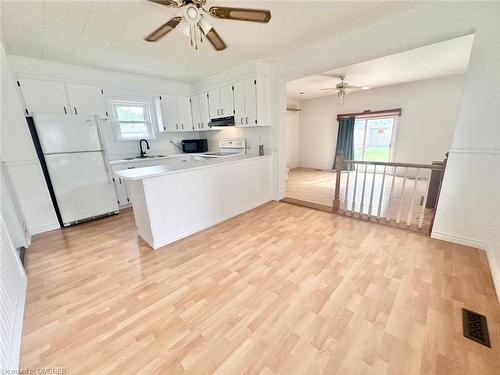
column 44, row 96
column 226, row 100
column 214, row 103
column 250, row 103
column 82, row 185
column 88, row 100
column 239, row 104
column 204, row 111
column 169, row 112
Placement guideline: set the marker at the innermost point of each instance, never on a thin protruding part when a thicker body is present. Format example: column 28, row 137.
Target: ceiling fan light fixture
column 204, row 25
column 184, row 28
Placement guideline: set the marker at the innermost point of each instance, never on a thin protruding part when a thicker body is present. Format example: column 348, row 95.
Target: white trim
column 44, row 228
column 492, row 151
column 494, row 268
column 459, row 240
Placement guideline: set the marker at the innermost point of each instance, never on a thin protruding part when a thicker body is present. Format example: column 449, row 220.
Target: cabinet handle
column 222, row 111
column 241, row 121
column 177, row 126
column 76, row 112
column 65, row 111
column 246, row 120
column 217, row 112
column 182, row 126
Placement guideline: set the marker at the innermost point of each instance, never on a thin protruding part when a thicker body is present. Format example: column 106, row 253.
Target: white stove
column 228, row 147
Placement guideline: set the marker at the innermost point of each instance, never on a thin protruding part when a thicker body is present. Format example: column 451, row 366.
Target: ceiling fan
column 343, row 88
column 194, row 24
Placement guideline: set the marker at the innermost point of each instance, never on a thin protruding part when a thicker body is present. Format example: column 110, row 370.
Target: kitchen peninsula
column 175, row 200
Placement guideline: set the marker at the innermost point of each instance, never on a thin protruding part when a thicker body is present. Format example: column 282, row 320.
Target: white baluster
column 353, row 208
column 391, row 192
column 421, row 218
column 346, row 190
column 398, row 218
column 371, row 193
column 363, row 194
column 381, row 193
column 410, row 213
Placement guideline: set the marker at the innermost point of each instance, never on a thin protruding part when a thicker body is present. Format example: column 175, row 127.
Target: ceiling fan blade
column 215, row 39
column 241, row 14
column 167, row 3
column 163, row 30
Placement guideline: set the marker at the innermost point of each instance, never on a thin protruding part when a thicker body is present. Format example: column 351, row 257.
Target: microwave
column 194, row 145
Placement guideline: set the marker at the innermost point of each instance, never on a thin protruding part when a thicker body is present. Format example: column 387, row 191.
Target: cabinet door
column 169, row 112
column 239, row 103
column 226, row 100
column 185, row 121
column 44, row 96
column 204, row 111
column 195, row 112
column 250, row 103
column 214, row 103
column 121, row 192
column 86, row 100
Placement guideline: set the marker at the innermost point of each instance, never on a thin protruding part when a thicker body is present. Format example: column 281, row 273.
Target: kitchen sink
column 145, row 157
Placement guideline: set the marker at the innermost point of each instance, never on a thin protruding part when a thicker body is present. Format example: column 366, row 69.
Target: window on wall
column 133, row 119
column 374, row 138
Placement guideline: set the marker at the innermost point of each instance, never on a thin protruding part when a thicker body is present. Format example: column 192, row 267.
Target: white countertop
column 181, row 166
column 142, row 160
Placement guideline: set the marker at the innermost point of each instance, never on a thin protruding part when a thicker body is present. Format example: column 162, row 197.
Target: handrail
column 394, row 164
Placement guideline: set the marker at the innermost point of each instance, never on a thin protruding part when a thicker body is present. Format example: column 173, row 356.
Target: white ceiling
column 109, row 34
column 428, row 62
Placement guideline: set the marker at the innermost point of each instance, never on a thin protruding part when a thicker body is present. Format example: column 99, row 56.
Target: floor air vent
column 475, row 327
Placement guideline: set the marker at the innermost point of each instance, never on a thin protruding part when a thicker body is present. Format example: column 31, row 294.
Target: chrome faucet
column 143, row 153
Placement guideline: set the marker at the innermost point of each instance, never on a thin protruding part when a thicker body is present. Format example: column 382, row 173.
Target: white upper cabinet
column 169, row 112
column 44, row 96
column 250, row 102
column 204, row 111
column 214, row 103
column 239, row 103
column 245, row 103
column 226, row 100
column 176, row 111
column 87, row 100
column 195, row 112
column 184, row 114
column 221, row 102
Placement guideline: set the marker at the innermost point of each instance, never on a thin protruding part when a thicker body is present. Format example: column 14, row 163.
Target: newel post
column 339, row 158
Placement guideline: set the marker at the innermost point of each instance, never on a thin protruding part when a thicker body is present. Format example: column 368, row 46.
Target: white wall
column 466, row 211
column 425, row 129
column 292, row 139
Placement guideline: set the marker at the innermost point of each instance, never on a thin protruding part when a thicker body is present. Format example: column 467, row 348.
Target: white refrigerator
column 75, row 161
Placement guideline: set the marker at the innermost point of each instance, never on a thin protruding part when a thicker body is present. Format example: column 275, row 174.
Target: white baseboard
column 211, row 223
column 44, row 228
column 487, row 247
column 459, row 240
column 494, row 268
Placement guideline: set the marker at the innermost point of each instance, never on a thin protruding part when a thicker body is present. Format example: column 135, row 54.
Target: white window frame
column 392, row 144
column 150, row 117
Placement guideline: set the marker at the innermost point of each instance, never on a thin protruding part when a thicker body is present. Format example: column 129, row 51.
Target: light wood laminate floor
column 281, row 289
